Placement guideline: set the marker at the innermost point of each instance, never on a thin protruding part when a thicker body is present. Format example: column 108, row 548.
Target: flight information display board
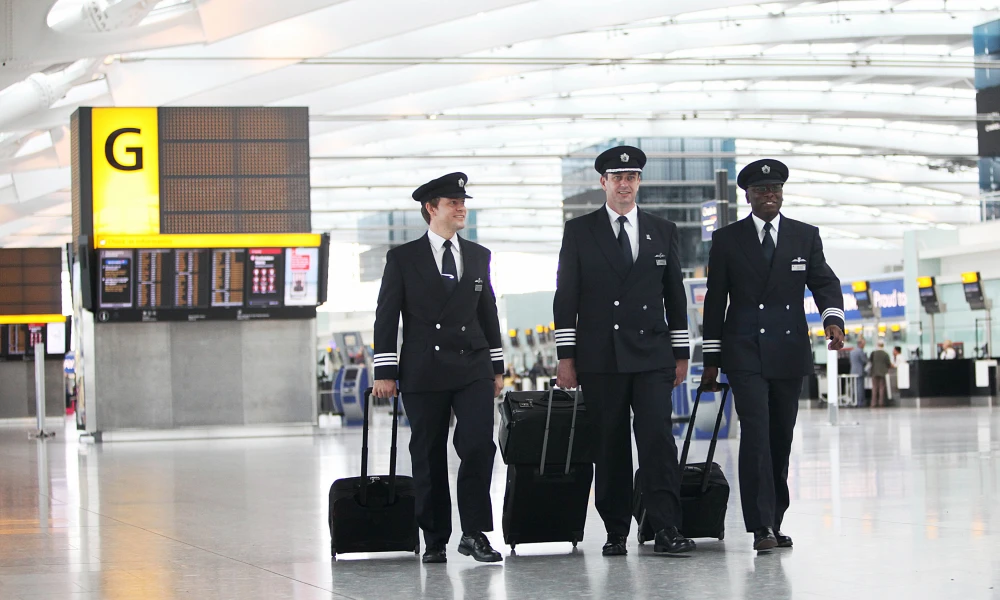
column 116, row 284
column 209, row 283
column 267, row 273
column 187, row 278
column 30, row 281
column 227, row 277
column 17, row 341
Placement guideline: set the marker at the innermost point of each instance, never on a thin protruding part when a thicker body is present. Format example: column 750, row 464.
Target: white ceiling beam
column 416, row 137
column 436, row 92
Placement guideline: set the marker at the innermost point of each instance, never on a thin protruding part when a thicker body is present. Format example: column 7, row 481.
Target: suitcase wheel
column 722, row 535
column 574, row 543
column 640, row 538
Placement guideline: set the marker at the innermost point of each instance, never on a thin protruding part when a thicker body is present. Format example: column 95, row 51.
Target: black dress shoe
column 763, row 539
column 671, row 541
column 478, row 547
column 615, row 546
column 784, row 541
column 435, row 554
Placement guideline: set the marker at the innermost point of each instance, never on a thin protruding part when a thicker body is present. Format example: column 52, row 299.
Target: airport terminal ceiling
column 870, row 103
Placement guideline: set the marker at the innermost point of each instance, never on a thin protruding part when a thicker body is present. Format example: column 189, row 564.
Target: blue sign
column 709, row 219
column 888, row 295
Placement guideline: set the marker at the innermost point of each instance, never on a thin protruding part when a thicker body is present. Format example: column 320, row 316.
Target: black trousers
column 767, row 410
column 429, row 414
column 609, row 398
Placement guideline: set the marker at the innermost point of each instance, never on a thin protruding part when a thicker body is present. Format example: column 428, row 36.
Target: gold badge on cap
column 624, row 157
column 461, row 183
column 765, row 169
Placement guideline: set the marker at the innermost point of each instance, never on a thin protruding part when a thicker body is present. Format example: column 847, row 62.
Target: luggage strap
column 572, row 430
column 364, row 450
column 715, row 434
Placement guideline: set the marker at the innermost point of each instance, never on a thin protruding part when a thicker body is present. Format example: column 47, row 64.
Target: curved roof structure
column 870, row 102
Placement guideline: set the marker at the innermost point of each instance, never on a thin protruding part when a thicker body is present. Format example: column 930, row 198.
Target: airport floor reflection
column 906, row 504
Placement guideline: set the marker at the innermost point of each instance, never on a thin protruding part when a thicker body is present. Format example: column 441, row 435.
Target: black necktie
column 449, row 272
column 624, row 242
column 767, row 244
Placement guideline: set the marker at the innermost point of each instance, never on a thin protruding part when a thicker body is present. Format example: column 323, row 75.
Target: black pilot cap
column 762, row 172
column 620, row 158
column 451, row 185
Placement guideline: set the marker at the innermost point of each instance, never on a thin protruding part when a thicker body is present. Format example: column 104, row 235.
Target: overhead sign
column 709, row 219
column 125, row 171
column 888, row 295
column 988, row 122
column 141, row 172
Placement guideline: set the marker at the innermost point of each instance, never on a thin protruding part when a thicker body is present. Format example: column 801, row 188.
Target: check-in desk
column 958, row 382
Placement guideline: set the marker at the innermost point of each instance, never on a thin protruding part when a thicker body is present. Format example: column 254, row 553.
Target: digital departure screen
column 227, row 277
column 265, row 272
column 116, row 285
column 190, row 284
column 150, row 275
column 17, row 339
column 188, row 278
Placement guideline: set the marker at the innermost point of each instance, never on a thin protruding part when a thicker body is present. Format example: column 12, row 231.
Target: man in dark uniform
column 451, row 360
column 760, row 266
column 619, row 269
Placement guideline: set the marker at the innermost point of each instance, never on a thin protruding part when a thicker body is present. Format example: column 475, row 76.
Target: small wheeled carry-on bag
column 704, row 488
column 546, row 503
column 374, row 513
column 524, row 416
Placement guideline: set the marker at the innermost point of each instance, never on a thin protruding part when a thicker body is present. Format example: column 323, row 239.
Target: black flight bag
column 543, row 502
column 374, row 513
column 704, row 488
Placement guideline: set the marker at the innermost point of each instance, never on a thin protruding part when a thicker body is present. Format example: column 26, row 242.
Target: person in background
column 881, row 363
column 948, row 351
column 858, row 362
column 898, row 359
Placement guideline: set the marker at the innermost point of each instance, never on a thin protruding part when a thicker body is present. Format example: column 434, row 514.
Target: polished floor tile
column 903, row 504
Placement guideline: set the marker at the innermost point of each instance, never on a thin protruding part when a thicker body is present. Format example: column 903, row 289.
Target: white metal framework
column 869, row 102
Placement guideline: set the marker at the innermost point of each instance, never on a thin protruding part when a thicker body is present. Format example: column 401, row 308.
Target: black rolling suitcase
column 546, row 504
column 374, row 513
column 524, row 417
column 704, row 488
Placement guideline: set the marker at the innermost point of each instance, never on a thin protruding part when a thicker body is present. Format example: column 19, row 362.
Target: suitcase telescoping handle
column 715, row 434
column 572, row 430
column 364, row 450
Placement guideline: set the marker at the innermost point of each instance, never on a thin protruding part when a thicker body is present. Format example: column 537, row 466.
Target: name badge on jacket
column 798, row 264
column 661, row 260
column 479, row 284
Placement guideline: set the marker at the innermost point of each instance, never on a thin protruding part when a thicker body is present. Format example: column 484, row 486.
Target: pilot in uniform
column 760, row 266
column 451, row 360
column 619, row 269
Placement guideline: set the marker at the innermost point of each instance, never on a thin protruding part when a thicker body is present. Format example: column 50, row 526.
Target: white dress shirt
column 631, row 227
column 437, row 248
column 759, row 224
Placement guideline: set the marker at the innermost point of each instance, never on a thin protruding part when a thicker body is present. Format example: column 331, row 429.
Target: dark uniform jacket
column 448, row 341
column 765, row 331
column 611, row 318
